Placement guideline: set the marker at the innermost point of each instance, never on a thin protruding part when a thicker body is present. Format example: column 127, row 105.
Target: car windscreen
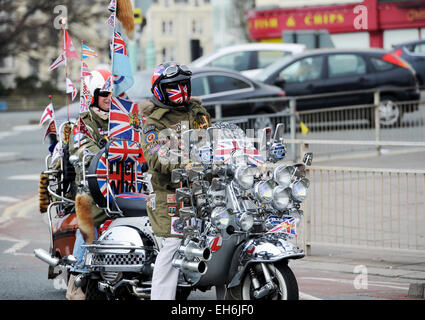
column 272, row 68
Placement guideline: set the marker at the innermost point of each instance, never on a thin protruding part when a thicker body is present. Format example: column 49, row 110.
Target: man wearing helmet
column 89, row 216
column 171, row 107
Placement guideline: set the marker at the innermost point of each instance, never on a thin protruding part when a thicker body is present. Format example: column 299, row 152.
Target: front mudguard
column 264, row 250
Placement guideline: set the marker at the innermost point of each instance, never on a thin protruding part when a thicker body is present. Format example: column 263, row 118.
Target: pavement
column 405, row 267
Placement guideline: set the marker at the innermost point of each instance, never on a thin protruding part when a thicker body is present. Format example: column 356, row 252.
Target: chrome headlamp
column 283, row 174
column 263, row 190
column 281, row 196
column 246, row 221
column 300, row 189
column 220, row 217
column 245, row 175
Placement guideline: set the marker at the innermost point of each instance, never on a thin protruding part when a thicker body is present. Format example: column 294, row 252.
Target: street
column 323, row 276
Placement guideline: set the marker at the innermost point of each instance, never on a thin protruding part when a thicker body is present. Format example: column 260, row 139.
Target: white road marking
column 8, row 199
column 16, row 247
column 26, row 177
column 306, row 296
column 370, row 283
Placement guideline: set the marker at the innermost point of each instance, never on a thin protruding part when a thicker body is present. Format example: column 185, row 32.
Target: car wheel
column 389, row 112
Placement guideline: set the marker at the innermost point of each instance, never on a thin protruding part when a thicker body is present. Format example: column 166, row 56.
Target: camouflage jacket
column 164, row 217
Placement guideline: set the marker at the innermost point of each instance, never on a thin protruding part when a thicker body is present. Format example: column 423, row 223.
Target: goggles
column 173, row 71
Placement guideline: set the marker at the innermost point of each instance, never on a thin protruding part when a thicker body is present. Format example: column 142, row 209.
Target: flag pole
column 66, row 64
column 81, row 74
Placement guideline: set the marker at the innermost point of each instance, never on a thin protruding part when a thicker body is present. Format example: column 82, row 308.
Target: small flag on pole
column 111, row 20
column 82, row 128
column 304, row 128
column 58, row 62
column 85, row 72
column 69, row 49
column 88, row 52
column 51, row 129
column 112, row 5
column 47, row 114
column 70, row 88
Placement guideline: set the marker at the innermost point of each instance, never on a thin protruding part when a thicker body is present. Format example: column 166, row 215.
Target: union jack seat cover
column 124, row 151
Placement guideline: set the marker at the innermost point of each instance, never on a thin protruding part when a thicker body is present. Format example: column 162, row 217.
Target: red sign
column 373, row 16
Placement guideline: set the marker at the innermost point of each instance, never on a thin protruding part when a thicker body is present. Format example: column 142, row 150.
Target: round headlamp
column 220, row 218
column 246, row 221
column 264, row 191
column 245, row 175
column 283, row 174
column 281, row 196
column 300, row 189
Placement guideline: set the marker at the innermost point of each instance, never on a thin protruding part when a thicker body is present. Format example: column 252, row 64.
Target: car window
column 381, row 65
column 420, row 48
column 224, row 83
column 266, row 58
column 200, row 86
column 238, row 61
column 346, row 65
column 306, row 69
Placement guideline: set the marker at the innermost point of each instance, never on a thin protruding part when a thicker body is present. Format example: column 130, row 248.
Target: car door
column 419, row 61
column 346, row 72
column 217, row 88
column 303, row 77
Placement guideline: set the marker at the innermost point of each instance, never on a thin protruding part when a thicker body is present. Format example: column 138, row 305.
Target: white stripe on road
column 8, row 199
column 16, row 247
column 306, row 296
column 27, row 177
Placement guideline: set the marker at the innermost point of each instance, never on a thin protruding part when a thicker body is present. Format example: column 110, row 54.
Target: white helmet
column 97, row 79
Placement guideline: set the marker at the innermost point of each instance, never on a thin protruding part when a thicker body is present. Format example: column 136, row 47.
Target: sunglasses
column 104, row 94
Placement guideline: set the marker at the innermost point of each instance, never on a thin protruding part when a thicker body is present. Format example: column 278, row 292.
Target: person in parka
column 171, row 111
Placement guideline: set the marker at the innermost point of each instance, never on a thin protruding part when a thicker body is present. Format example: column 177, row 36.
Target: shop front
column 372, row 23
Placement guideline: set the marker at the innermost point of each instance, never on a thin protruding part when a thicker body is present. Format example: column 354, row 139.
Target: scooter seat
column 132, row 204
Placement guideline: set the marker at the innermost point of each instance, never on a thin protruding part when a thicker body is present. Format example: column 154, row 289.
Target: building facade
column 175, row 30
column 361, row 24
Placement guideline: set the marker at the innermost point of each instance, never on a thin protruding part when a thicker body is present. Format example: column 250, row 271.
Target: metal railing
column 355, row 207
column 365, row 208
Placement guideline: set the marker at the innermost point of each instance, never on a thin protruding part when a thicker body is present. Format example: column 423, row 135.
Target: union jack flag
column 119, row 44
column 288, row 226
column 226, row 147
column 178, row 95
column 124, row 151
column 124, row 120
column 116, row 177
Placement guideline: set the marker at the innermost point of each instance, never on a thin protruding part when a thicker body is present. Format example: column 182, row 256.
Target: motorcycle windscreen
column 231, row 145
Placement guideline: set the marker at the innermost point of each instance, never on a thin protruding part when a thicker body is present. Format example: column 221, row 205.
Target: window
column 224, row 83
column 306, row 69
column 200, row 86
column 381, row 65
column 266, row 58
column 346, row 65
column 419, row 48
column 238, row 61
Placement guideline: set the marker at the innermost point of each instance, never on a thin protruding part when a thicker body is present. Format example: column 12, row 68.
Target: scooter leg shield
column 83, row 204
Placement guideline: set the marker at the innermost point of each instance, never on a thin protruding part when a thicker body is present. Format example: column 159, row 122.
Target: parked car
column 250, row 58
column 216, row 85
column 414, row 53
column 329, row 71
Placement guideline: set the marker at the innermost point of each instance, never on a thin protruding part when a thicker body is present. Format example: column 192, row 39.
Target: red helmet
column 175, row 78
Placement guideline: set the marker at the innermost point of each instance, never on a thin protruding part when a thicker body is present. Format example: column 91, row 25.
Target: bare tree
column 240, row 20
column 26, row 26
